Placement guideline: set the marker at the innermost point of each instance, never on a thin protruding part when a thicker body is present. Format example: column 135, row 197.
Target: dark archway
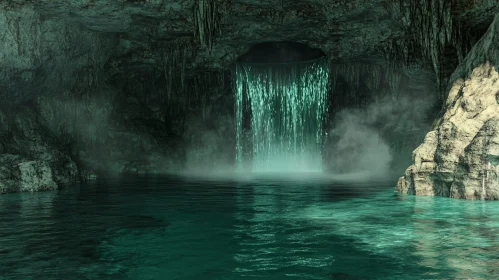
column 280, row 52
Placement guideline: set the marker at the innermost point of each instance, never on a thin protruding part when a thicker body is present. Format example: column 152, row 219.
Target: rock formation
column 459, row 156
column 122, row 86
column 32, row 158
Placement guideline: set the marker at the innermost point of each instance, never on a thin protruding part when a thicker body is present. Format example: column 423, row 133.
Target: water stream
column 280, row 114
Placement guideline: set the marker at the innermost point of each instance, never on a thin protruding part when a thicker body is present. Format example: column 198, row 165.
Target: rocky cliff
column 459, row 157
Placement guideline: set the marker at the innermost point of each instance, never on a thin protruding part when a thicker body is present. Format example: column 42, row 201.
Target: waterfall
column 280, row 113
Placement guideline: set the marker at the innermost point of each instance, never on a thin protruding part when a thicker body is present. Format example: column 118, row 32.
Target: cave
column 281, row 97
column 217, row 139
column 280, row 52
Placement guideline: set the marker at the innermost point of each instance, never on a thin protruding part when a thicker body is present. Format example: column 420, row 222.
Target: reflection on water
column 174, row 228
column 454, row 236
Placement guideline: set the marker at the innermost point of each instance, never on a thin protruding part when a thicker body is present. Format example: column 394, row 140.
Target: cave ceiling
column 343, row 29
column 48, row 42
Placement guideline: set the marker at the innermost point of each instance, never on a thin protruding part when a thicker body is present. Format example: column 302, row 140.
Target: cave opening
column 296, row 110
column 281, row 104
column 280, row 52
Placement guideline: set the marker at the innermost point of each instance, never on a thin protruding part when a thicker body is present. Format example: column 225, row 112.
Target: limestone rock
column 460, row 154
column 36, row 175
column 419, row 182
column 477, row 173
column 21, row 174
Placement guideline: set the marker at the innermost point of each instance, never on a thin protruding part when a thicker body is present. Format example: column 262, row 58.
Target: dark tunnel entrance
column 280, row 52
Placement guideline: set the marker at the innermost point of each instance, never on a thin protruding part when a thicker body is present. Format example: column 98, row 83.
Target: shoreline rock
column 458, row 158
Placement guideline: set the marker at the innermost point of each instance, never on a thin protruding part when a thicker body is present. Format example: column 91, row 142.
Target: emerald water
column 280, row 114
column 181, row 228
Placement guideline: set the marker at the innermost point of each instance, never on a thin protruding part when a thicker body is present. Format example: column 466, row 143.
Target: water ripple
column 172, row 228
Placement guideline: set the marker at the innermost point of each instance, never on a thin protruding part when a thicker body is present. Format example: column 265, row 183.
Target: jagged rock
column 35, row 176
column 457, row 158
column 9, row 173
column 21, row 174
column 418, row 182
column 33, row 159
column 477, row 173
column 226, row 29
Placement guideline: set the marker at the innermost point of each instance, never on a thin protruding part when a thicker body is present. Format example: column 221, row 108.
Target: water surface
column 179, row 228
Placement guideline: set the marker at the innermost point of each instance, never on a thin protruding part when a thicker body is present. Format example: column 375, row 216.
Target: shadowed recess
column 278, row 52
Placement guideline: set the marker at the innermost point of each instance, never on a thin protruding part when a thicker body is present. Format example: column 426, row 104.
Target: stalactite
column 400, row 50
column 351, row 73
column 393, row 77
column 373, row 80
column 183, row 66
column 206, row 21
column 433, row 27
column 68, row 110
column 357, row 75
column 175, row 59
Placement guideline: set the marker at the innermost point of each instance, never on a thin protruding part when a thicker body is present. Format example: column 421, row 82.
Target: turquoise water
column 175, row 228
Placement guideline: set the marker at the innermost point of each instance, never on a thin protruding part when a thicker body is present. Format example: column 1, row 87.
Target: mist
column 209, row 142
column 362, row 144
column 374, row 142
column 355, row 147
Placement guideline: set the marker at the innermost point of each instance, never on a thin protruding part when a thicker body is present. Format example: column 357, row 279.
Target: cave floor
column 181, row 228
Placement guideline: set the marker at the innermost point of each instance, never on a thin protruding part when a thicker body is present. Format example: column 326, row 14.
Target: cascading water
column 280, row 113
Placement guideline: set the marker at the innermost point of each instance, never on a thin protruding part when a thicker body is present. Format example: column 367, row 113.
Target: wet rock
column 33, row 159
column 9, row 173
column 21, row 174
column 477, row 173
column 35, row 176
column 41, row 55
column 88, row 175
column 458, row 157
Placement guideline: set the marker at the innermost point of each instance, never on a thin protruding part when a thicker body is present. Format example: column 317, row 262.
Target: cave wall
column 39, row 58
column 31, row 157
column 459, row 156
column 77, row 101
column 144, row 125
column 43, row 56
column 143, row 86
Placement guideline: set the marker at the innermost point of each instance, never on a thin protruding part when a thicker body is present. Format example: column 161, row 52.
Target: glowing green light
column 288, row 104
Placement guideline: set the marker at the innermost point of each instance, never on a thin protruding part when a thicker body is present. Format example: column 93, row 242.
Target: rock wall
column 45, row 56
column 459, row 156
column 140, row 126
column 41, row 57
column 68, row 111
column 31, row 157
column 139, row 86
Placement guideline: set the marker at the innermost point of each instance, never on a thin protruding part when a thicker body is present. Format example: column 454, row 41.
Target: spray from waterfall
column 280, row 115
